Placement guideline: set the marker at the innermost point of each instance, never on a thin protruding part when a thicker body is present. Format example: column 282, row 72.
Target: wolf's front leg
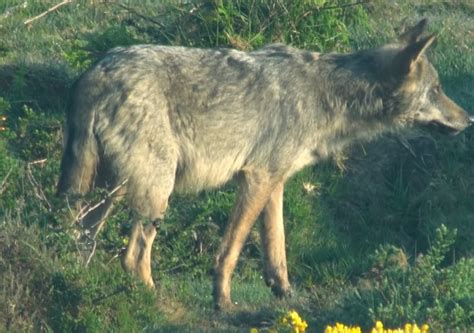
column 273, row 239
column 254, row 191
column 137, row 258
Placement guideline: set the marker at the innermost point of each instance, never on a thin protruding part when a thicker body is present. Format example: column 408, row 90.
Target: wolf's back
column 80, row 156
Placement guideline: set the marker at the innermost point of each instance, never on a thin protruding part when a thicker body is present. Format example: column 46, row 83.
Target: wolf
column 159, row 119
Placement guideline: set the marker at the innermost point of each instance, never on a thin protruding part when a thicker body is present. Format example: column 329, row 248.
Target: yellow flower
column 341, row 328
column 294, row 316
column 253, row 330
column 301, row 327
column 292, row 319
column 379, row 326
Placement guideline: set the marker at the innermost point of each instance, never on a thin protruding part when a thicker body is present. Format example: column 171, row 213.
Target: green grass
column 364, row 244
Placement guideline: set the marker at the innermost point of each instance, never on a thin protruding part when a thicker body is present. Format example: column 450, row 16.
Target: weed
column 429, row 290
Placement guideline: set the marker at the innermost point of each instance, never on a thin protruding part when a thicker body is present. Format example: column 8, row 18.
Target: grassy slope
column 395, row 191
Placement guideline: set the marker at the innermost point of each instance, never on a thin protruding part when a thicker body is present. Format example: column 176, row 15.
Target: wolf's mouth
column 445, row 128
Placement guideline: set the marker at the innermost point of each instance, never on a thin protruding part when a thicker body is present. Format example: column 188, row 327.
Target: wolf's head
column 418, row 96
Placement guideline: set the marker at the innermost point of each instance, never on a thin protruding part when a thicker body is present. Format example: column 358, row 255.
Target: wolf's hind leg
column 273, row 242
column 137, row 258
column 152, row 198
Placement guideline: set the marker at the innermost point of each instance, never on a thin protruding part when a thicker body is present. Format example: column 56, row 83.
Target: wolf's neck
column 358, row 91
column 351, row 102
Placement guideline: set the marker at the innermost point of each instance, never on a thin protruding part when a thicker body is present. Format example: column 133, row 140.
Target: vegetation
column 382, row 233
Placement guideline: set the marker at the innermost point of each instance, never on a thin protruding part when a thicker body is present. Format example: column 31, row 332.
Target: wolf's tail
column 80, row 156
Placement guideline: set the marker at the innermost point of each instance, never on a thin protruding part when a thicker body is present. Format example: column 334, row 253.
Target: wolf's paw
column 280, row 292
column 224, row 305
column 278, row 288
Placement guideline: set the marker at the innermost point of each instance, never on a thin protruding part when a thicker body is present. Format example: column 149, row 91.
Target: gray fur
column 204, row 115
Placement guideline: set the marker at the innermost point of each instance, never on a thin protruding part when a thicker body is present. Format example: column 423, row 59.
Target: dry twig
column 38, row 190
column 52, row 9
column 89, row 258
column 3, row 185
column 83, row 212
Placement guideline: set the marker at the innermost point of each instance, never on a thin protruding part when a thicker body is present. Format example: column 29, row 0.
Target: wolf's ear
column 413, row 34
column 407, row 58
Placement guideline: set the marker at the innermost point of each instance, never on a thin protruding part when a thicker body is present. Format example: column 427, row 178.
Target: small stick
column 86, row 210
column 89, row 258
column 3, row 185
column 52, row 9
column 83, row 212
column 42, row 161
column 38, row 190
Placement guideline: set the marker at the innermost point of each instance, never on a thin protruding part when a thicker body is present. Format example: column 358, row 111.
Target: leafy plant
column 429, row 290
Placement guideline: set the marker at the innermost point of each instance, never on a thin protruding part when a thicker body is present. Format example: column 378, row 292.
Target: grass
column 360, row 237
